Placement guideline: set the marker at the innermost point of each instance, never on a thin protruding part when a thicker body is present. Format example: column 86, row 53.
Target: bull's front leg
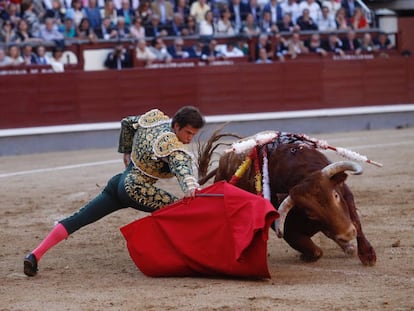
column 366, row 252
column 301, row 240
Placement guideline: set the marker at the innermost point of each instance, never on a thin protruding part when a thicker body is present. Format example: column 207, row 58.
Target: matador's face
column 185, row 134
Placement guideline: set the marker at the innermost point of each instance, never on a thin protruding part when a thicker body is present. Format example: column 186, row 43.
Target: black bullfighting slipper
column 30, row 265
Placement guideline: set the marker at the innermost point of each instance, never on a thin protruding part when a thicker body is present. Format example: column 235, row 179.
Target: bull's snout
column 347, row 235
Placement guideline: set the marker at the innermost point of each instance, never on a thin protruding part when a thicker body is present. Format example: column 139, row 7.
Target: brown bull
column 316, row 199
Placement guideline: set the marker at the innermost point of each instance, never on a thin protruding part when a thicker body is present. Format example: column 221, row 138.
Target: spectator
column 314, row 44
column 119, row 58
column 286, row 24
column 230, row 50
column 280, row 47
column 198, row 9
column 159, row 49
column 358, row 20
column 14, row 55
column 93, row 13
column 134, row 4
column 242, row 45
column 264, row 42
column 144, row 11
column 76, row 12
column 177, row 49
column 383, row 43
column 333, row 6
column 66, row 4
column 155, row 29
column 207, row 26
column 31, row 18
column 29, row 58
column 7, row 33
column 56, row 11
column 367, row 44
column 209, row 52
column 176, row 26
column 255, row 9
column 326, row 22
column 106, row 31
column 4, row 58
column 291, row 7
column 126, row 12
column 137, row 30
column 250, row 28
column 182, row 7
column 85, row 31
column 57, row 61
column 224, row 25
column 110, row 12
column 68, row 28
column 296, row 46
column 196, row 50
column 306, row 22
column 143, row 53
column 262, row 57
column 341, row 20
column 190, row 27
column 164, row 9
column 49, row 32
column 238, row 12
column 275, row 10
column 266, row 24
column 122, row 29
column 351, row 43
column 13, row 11
column 349, row 7
column 334, row 45
column 23, row 34
column 41, row 58
column 313, row 7
column 4, row 15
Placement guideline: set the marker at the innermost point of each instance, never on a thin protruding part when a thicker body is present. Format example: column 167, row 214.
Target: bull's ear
column 339, row 177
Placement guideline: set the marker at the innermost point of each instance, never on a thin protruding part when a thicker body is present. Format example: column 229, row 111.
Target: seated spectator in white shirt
column 230, row 50
column 326, row 22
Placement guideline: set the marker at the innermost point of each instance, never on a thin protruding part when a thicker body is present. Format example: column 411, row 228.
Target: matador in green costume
column 154, row 147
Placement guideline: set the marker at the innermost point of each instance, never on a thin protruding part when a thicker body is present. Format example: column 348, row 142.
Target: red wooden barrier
column 83, row 97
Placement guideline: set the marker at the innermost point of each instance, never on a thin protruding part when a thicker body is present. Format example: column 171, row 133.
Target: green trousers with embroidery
column 112, row 198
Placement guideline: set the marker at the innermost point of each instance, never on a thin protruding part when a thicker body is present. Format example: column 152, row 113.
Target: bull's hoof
column 367, row 255
column 368, row 258
column 311, row 257
column 349, row 249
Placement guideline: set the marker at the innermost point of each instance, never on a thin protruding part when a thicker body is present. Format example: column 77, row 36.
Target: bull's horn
column 341, row 166
column 283, row 210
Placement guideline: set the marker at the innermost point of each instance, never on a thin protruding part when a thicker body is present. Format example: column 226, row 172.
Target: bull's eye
column 336, row 196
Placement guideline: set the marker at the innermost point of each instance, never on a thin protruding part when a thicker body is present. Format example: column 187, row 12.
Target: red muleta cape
column 206, row 236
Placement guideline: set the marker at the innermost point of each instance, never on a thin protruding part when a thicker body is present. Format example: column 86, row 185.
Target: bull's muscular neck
column 291, row 163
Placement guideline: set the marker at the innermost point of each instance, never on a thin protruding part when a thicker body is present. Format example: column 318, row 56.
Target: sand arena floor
column 92, row 270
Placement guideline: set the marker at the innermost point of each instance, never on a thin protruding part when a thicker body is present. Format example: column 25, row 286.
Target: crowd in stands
column 279, row 24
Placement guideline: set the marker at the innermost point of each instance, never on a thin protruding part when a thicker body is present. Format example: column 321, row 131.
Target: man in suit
column 275, row 9
column 164, row 10
column 238, row 12
column 154, row 28
column 126, row 12
column 349, row 6
column 351, row 44
column 254, row 8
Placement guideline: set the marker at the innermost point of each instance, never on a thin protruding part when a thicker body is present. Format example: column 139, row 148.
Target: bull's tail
column 206, row 151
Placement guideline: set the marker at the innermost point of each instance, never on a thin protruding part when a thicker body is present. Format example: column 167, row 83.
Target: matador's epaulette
column 166, row 143
column 152, row 118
